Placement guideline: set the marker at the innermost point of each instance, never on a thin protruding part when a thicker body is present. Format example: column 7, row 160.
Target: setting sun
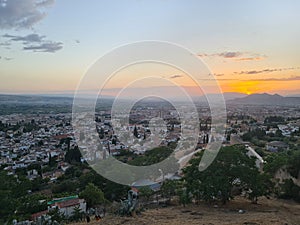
column 246, row 87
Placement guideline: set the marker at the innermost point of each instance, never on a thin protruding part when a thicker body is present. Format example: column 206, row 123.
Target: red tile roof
column 38, row 214
column 68, row 203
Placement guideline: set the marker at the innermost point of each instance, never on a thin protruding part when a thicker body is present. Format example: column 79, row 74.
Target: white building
column 66, row 205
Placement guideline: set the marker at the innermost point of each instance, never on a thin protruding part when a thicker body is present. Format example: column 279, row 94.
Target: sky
column 47, row 46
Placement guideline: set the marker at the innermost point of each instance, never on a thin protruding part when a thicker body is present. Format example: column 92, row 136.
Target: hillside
column 275, row 212
column 265, row 99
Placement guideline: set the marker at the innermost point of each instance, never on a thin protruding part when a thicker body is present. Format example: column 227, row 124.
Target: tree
column 146, row 192
column 73, row 155
column 184, row 197
column 258, row 185
column 68, row 141
column 92, row 195
column 288, row 161
column 294, row 163
column 66, row 186
column 135, row 132
column 232, row 167
column 169, row 188
column 114, row 141
column 289, row 190
column 101, row 133
column 152, row 156
column 275, row 162
column 56, row 215
column 30, row 204
column 77, row 214
column 259, row 134
column 273, row 120
column 52, row 160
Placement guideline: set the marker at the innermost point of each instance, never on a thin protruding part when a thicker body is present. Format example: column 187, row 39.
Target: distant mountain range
column 33, row 99
column 229, row 97
column 265, row 99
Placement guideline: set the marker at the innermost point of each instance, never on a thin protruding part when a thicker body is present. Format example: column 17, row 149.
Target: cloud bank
column 20, row 14
column 251, row 72
column 235, row 55
column 35, row 42
column 24, row 14
column 25, row 39
column 45, row 47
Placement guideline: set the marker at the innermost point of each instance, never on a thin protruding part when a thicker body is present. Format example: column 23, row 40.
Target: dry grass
column 274, row 212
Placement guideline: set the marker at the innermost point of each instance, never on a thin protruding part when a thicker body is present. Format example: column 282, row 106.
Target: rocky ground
column 237, row 212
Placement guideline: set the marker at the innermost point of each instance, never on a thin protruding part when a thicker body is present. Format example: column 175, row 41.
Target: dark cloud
column 217, row 74
column 230, row 54
column 235, row 55
column 35, row 42
column 204, row 55
column 45, row 47
column 25, row 39
column 18, row 14
column 176, row 76
column 23, row 14
column 250, row 72
column 45, row 3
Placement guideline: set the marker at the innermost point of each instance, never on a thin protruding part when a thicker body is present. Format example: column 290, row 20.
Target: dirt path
column 274, row 212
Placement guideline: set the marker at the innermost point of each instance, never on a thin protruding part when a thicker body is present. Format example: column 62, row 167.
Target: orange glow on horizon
column 259, row 86
column 246, row 87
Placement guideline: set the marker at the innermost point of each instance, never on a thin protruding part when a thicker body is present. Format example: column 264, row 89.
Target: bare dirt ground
column 274, row 212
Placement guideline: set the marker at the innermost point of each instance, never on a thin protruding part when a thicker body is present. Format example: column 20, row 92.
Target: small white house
column 66, row 205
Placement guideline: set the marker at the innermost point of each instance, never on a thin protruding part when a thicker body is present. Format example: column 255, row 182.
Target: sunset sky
column 46, row 46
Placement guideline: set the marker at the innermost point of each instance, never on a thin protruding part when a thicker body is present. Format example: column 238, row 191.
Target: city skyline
column 250, row 47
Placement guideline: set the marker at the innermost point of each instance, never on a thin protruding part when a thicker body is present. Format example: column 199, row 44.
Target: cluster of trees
column 73, row 155
column 231, row 173
column 270, row 120
column 153, row 156
column 20, row 197
column 80, row 176
column 231, row 170
column 27, row 127
column 93, row 195
column 289, row 162
column 259, row 138
column 14, row 199
column 257, row 133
